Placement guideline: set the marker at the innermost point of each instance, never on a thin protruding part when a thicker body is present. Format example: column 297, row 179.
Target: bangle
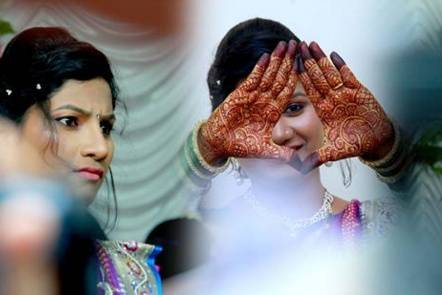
column 196, row 153
column 390, row 156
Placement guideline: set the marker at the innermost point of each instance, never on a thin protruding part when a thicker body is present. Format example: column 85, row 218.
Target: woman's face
column 81, row 145
column 298, row 128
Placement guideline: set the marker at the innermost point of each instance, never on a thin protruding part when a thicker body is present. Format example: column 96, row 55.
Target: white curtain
column 155, row 79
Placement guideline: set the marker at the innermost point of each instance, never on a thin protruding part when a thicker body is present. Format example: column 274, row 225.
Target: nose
column 95, row 145
column 282, row 132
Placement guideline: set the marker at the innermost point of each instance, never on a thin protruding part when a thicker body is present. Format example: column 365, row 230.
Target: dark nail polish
column 280, row 49
column 305, row 53
column 337, row 60
column 310, row 163
column 263, row 60
column 316, row 51
column 291, row 48
column 296, row 163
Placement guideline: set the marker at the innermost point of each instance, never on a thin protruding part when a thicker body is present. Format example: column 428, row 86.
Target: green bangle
column 213, row 170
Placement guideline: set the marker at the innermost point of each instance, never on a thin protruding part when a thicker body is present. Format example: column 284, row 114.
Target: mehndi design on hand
column 354, row 122
column 242, row 125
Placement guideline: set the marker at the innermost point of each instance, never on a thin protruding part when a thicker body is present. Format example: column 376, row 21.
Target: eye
column 106, row 127
column 294, row 108
column 68, row 121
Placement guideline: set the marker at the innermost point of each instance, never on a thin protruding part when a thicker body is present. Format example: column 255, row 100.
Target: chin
column 83, row 190
column 86, row 194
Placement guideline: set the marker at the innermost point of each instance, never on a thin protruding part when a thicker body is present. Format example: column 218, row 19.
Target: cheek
column 36, row 131
column 111, row 152
column 310, row 127
column 65, row 146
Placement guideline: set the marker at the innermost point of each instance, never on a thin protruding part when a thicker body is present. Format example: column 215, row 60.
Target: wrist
column 208, row 153
column 384, row 148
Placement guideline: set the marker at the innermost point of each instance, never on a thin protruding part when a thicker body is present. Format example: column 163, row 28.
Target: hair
column 37, row 62
column 239, row 51
column 237, row 55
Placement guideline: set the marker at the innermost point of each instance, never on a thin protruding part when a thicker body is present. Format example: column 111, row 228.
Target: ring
column 338, row 86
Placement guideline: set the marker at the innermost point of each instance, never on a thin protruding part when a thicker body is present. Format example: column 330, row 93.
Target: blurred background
column 161, row 52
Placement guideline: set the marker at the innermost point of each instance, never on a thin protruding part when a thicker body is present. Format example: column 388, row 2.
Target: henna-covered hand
column 242, row 125
column 354, row 122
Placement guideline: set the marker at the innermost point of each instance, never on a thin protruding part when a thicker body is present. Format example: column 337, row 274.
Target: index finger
column 274, row 65
column 254, row 78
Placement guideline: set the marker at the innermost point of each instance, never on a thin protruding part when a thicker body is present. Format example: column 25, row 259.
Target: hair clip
column 218, row 82
column 211, row 97
column 38, row 86
column 8, row 92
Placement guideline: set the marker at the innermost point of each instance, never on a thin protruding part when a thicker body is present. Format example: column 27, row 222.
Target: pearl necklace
column 294, row 226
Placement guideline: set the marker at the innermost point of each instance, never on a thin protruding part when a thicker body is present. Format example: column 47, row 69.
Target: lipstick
column 90, row 173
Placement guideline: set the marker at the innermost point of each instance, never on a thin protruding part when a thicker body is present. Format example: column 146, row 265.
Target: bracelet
column 391, row 155
column 213, row 170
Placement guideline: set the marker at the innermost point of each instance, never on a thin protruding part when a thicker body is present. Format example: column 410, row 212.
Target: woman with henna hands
column 281, row 108
column 297, row 110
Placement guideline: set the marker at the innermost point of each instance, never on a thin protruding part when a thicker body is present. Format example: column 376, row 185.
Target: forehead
column 299, row 88
column 92, row 95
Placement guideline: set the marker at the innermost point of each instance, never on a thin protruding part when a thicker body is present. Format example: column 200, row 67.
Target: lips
column 89, row 173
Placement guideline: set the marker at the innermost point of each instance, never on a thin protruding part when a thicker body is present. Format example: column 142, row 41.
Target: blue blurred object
column 74, row 251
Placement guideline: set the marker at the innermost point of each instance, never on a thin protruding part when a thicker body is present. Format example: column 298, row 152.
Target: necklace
column 293, row 226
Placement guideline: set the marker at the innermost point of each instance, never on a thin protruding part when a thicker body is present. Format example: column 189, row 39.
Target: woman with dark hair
column 62, row 95
column 281, row 118
column 329, row 116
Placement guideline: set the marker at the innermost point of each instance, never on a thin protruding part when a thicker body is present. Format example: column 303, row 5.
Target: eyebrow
column 83, row 112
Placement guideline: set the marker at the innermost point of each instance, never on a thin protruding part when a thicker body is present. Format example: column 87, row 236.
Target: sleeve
column 396, row 166
column 194, row 172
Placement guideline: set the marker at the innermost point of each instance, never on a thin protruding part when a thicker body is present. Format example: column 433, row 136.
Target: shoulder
column 128, row 266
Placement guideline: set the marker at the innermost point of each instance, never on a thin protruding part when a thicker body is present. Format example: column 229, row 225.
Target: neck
column 294, row 198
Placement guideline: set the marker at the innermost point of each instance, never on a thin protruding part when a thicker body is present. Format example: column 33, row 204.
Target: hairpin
column 8, row 92
column 218, row 82
column 38, row 86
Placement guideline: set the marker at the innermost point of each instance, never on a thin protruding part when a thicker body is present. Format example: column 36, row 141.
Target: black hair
column 37, row 62
column 239, row 51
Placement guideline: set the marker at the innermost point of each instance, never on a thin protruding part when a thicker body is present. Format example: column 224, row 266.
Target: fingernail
column 305, row 53
column 280, row 49
column 296, row 163
column 316, row 51
column 291, row 48
column 310, row 163
column 299, row 65
column 263, row 60
column 337, row 60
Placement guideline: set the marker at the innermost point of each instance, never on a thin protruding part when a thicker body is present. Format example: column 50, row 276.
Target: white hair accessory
column 38, row 86
column 8, row 92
